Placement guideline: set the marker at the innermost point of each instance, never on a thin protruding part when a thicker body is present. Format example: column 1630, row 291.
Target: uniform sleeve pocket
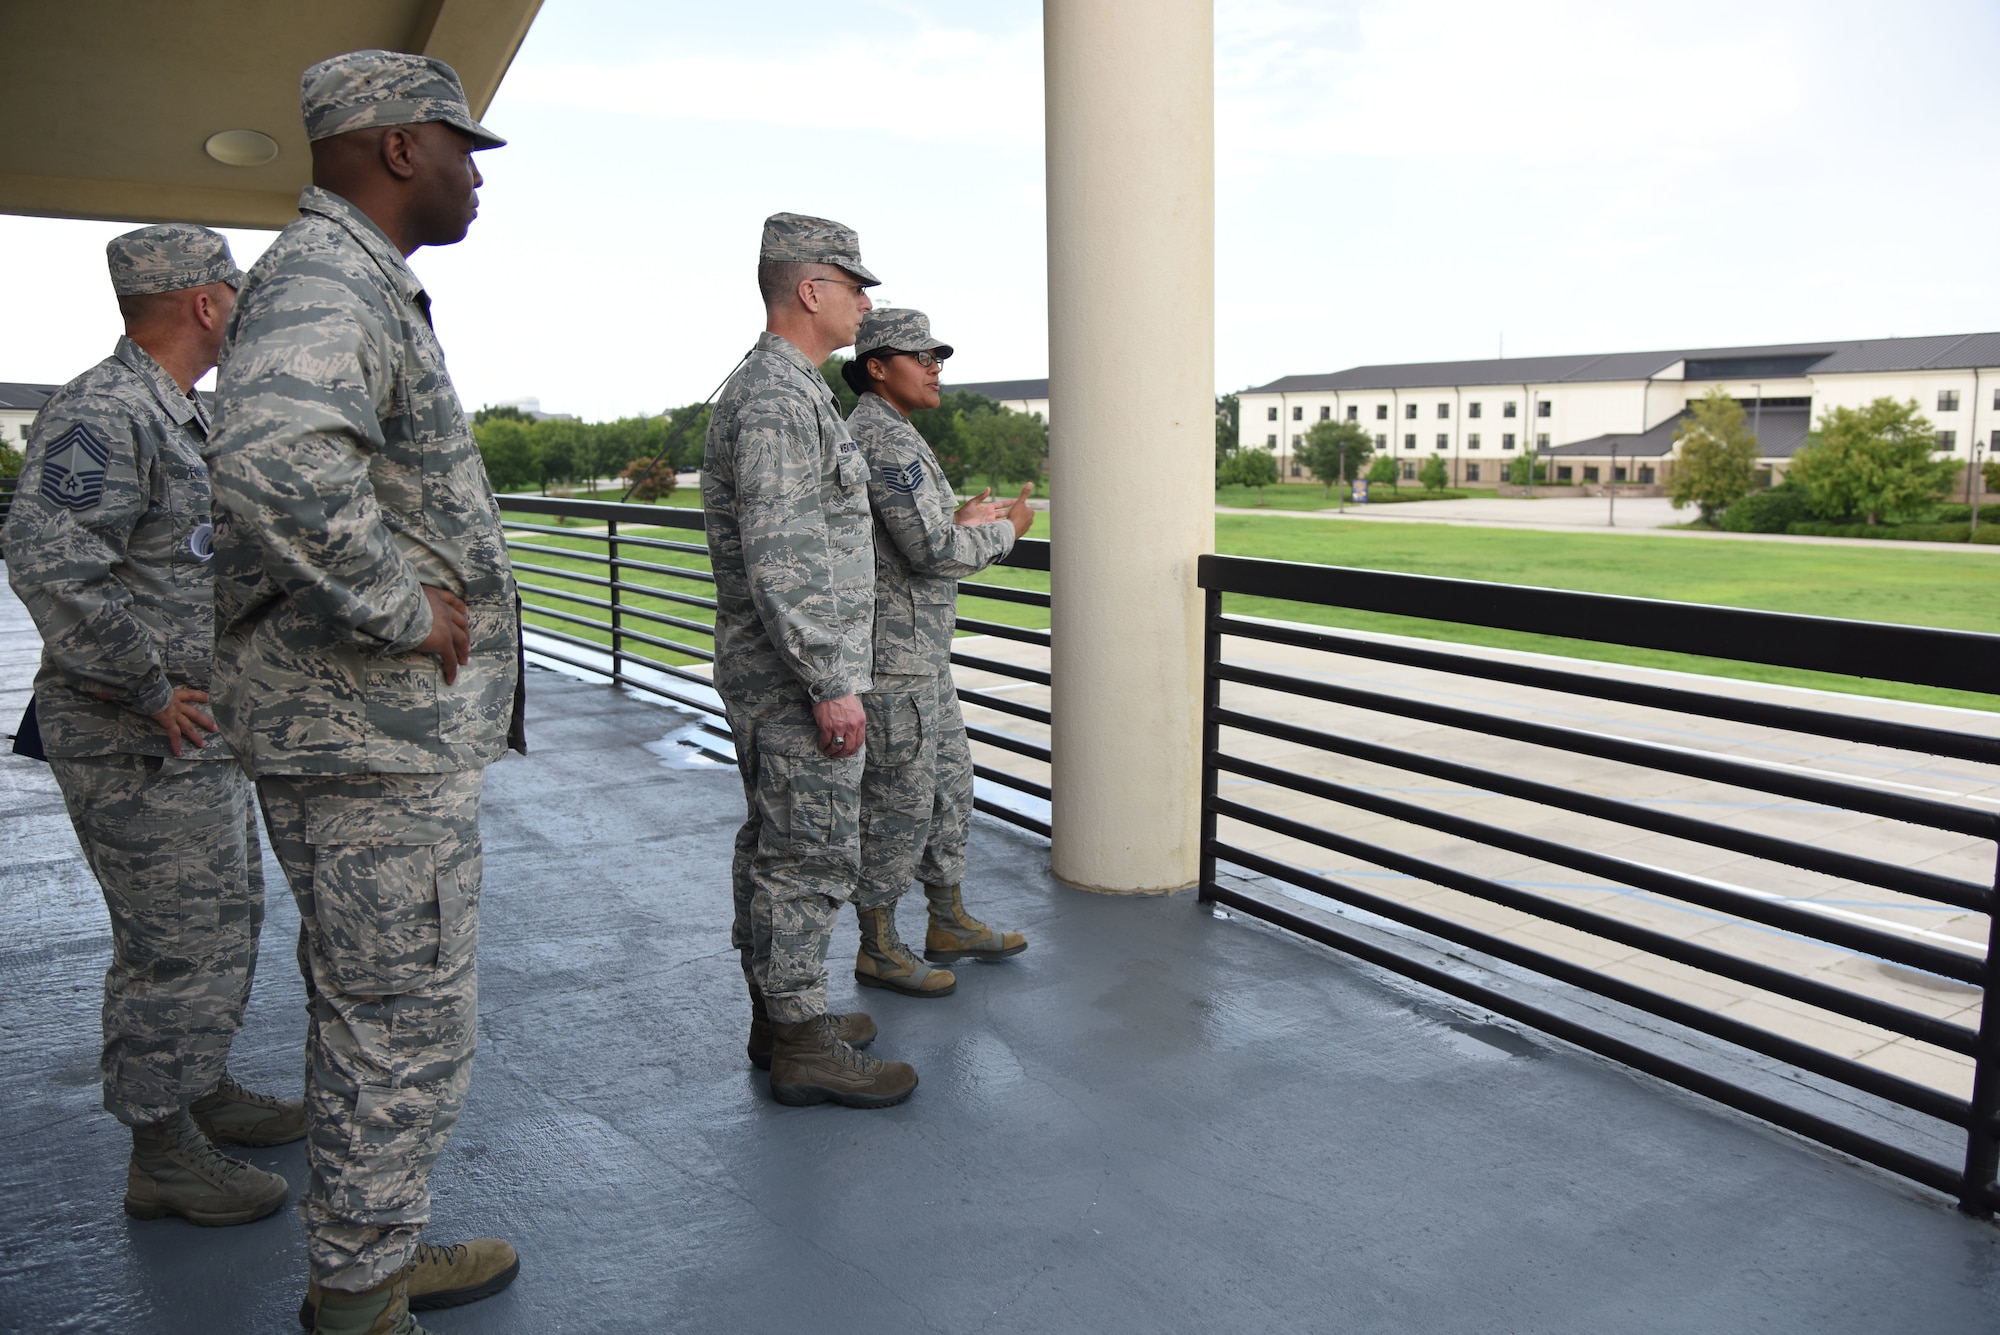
column 376, row 897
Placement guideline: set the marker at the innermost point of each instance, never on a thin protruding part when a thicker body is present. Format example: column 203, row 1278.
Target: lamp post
column 1973, row 482
column 1611, row 488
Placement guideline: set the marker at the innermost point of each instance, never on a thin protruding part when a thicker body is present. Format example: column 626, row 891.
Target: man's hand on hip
column 450, row 640
column 841, row 726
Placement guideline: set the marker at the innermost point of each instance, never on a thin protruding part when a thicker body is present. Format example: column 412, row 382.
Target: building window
column 1270, row 414
column 1645, row 473
column 1382, row 442
column 1947, row 440
column 1472, row 409
column 1410, row 411
column 1544, row 408
column 1947, row 400
column 1996, row 407
column 1325, row 412
column 1444, row 411
column 1410, row 441
column 1295, row 471
column 1271, row 442
column 1472, row 441
column 1353, row 412
column 1506, row 440
column 1590, row 472
column 1472, row 472
column 1298, row 413
column 1409, row 470
column 1295, row 440
column 1541, row 440
column 1381, row 412
column 1563, row 473
column 1507, row 408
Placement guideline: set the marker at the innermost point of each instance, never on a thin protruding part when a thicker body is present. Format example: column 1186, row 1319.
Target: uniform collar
column 373, row 239
column 875, row 404
column 183, row 408
column 779, row 346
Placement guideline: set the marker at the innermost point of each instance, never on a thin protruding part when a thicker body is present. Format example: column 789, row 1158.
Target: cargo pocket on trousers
column 375, row 894
column 895, row 729
column 810, row 804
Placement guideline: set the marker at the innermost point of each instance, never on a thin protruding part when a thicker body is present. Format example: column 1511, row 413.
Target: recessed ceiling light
column 241, row 148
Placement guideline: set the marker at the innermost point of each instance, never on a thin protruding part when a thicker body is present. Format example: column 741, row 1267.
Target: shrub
column 1773, row 511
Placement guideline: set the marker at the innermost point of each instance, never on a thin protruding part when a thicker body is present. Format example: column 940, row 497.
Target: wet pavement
column 1157, row 1119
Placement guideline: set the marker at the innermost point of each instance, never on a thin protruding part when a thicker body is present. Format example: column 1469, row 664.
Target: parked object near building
column 1477, row 416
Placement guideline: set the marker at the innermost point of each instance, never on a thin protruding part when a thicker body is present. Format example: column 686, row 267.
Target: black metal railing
column 7, row 486
column 622, row 597
column 1416, row 848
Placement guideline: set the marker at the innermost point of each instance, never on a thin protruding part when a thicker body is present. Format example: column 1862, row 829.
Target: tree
column 939, row 428
column 1253, row 468
column 1004, row 445
column 507, row 448
column 11, row 460
column 649, row 477
column 1335, row 451
column 1384, row 470
column 1989, row 474
column 1872, row 461
column 1432, row 474
column 1718, row 456
column 1526, row 469
column 499, row 413
column 1228, row 425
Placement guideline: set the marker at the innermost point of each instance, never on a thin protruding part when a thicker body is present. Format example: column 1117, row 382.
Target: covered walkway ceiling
column 108, row 105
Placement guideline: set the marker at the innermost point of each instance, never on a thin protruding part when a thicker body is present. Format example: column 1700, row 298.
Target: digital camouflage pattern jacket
column 345, row 477
column 107, row 543
column 920, row 554
column 785, row 488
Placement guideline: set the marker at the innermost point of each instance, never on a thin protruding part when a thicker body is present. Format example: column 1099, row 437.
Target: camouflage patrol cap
column 169, row 257
column 366, row 89
column 793, row 238
column 898, row 329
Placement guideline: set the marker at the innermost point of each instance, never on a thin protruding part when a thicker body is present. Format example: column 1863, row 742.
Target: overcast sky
column 1399, row 181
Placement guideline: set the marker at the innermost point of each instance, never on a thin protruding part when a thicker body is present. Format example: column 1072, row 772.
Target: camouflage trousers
column 797, row 860
column 173, row 844
column 916, row 792
column 386, row 872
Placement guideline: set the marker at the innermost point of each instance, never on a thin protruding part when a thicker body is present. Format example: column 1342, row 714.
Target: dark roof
column 31, row 397
column 1780, row 434
column 1942, row 352
column 1004, row 389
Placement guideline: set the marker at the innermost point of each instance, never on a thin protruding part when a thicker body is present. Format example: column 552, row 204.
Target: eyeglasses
column 844, row 282
column 924, row 359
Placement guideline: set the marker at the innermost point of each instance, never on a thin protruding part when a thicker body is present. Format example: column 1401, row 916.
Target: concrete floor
column 1155, row 1120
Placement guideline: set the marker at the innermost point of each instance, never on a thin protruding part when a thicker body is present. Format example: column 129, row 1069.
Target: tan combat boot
column 382, row 1310
column 856, row 1029
column 232, row 1115
column 174, row 1170
column 884, row 961
column 956, row 935
column 443, row 1276
column 809, row 1064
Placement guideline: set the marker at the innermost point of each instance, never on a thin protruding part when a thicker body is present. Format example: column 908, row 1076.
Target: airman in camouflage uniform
column 916, row 794
column 786, row 495
column 367, row 663
column 108, row 546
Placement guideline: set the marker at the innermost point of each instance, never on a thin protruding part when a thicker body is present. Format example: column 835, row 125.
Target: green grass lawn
column 1948, row 588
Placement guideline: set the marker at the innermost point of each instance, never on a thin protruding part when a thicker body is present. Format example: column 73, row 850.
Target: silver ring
column 840, row 741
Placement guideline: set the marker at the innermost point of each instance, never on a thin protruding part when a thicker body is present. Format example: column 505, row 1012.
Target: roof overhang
column 109, row 104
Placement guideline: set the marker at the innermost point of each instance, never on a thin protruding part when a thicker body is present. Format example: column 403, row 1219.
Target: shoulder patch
column 907, row 479
column 73, row 468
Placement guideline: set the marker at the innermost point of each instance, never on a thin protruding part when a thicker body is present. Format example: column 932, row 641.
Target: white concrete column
column 1131, row 175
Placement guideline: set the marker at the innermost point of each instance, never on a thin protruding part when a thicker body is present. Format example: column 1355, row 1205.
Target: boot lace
column 196, row 1149
column 436, row 1254
column 853, row 1058
column 228, row 1089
